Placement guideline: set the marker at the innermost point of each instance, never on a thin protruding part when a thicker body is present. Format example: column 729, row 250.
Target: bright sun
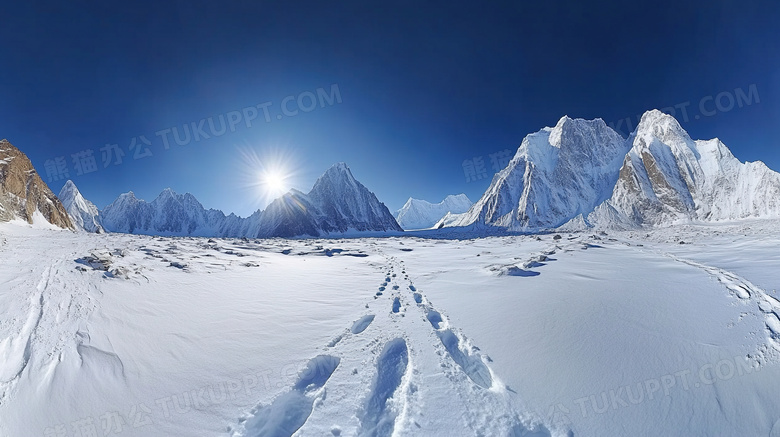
column 274, row 182
column 269, row 175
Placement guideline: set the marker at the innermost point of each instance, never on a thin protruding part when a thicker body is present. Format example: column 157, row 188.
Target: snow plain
column 630, row 333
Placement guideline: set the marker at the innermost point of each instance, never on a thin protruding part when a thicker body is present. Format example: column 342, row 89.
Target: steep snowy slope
column 667, row 177
column 83, row 213
column 556, row 174
column 24, row 195
column 421, row 214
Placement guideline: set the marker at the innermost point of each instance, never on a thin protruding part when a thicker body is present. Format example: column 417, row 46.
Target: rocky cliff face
column 23, row 194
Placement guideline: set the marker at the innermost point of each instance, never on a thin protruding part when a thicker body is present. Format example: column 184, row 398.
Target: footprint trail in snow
column 401, row 368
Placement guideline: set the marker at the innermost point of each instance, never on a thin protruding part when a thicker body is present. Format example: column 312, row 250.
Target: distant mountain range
column 421, row 214
column 336, row 205
column 579, row 174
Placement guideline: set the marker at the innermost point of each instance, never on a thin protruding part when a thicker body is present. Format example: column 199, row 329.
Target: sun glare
column 268, row 173
column 274, row 182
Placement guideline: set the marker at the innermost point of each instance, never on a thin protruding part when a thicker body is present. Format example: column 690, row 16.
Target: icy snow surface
column 667, row 332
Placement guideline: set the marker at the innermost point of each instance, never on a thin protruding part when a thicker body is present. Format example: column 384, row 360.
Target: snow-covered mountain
column 556, row 174
column 83, row 213
column 169, row 214
column 667, row 177
column 336, row 204
column 24, row 195
column 582, row 173
column 421, row 214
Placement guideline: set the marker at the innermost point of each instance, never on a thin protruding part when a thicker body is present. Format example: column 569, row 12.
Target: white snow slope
column 83, row 213
column 421, row 214
column 586, row 335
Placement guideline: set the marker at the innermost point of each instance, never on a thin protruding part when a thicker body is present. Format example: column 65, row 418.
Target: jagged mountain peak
column 69, row 186
column 556, row 173
column 345, row 204
column 583, row 170
column 337, row 177
column 69, row 191
column 168, row 214
column 339, row 166
column 668, row 178
column 168, row 195
column 568, row 126
column 457, row 197
column 83, row 213
column 338, row 170
column 658, row 127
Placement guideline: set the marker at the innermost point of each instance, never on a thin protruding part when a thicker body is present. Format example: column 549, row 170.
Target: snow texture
column 625, row 333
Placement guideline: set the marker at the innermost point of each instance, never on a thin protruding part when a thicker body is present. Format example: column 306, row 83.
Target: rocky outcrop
column 23, row 194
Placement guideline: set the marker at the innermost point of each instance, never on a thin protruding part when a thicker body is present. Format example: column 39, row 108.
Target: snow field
column 630, row 333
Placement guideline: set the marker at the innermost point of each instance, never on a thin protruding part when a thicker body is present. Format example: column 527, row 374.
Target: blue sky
column 422, row 87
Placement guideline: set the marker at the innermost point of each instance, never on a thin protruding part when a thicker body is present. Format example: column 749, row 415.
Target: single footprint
column 361, row 324
column 378, row 419
column 289, row 411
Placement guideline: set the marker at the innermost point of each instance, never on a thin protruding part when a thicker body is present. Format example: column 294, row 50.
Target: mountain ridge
column 574, row 175
column 421, row 214
column 582, row 174
column 336, row 204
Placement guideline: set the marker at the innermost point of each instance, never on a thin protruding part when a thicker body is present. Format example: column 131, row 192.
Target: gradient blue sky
column 423, row 86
